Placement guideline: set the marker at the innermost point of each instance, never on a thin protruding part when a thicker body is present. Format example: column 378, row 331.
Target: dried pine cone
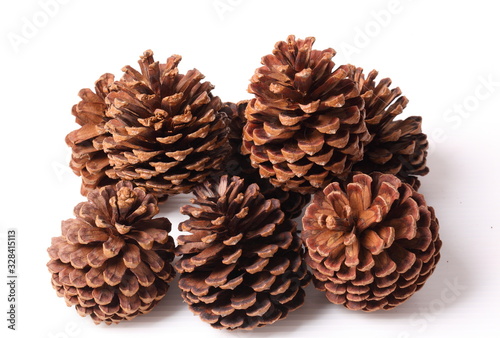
column 371, row 244
column 238, row 164
column 397, row 147
column 167, row 132
column 306, row 123
column 88, row 159
column 113, row 260
column 242, row 264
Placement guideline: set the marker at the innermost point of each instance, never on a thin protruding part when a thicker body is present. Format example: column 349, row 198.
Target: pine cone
column 242, row 265
column 306, row 123
column 167, row 132
column 113, row 260
column 372, row 244
column 88, row 159
column 238, row 164
column 397, row 147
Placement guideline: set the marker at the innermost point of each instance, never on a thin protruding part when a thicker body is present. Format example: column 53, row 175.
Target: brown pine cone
column 398, row 147
column 88, row 159
column 238, row 164
column 113, row 260
column 167, row 131
column 371, row 244
column 242, row 265
column 306, row 123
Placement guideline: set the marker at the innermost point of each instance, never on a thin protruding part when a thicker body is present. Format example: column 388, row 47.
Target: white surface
column 440, row 54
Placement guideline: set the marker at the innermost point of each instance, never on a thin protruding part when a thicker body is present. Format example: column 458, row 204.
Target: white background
column 444, row 55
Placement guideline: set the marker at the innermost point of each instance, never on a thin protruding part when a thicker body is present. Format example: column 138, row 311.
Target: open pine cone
column 238, row 164
column 398, row 147
column 371, row 244
column 305, row 126
column 242, row 265
column 113, row 260
column 162, row 130
column 88, row 159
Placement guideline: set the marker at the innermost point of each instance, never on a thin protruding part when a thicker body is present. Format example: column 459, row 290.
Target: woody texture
column 310, row 130
column 305, row 126
column 371, row 243
column 88, row 158
column 159, row 128
column 112, row 261
column 397, row 147
column 238, row 164
column 167, row 132
column 241, row 264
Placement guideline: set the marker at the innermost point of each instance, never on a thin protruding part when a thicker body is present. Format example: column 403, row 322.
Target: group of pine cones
column 368, row 238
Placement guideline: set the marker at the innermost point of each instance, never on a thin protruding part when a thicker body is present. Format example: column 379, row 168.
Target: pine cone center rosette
column 113, row 260
column 306, row 123
column 241, row 264
column 167, row 132
column 371, row 244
